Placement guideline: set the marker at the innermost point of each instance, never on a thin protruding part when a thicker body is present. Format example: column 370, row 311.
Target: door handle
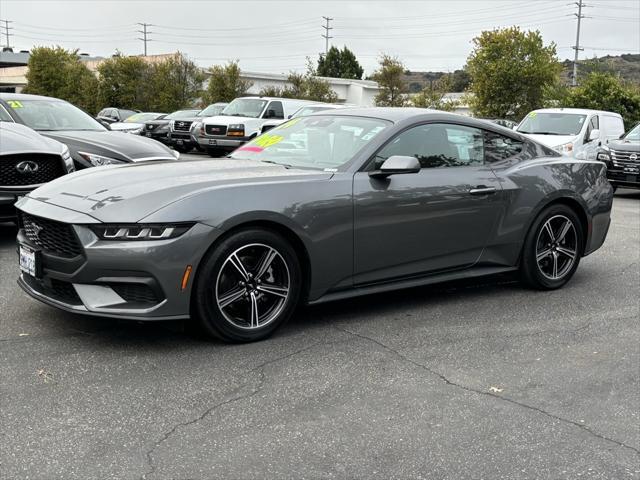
column 482, row 190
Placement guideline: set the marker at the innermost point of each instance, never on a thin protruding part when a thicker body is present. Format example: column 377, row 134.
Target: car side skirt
column 412, row 282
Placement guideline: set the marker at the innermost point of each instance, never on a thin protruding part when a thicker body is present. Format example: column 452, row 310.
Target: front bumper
column 162, row 136
column 138, row 280
column 222, row 142
column 8, row 198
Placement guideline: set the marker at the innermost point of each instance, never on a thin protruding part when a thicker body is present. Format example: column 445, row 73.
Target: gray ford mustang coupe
column 340, row 203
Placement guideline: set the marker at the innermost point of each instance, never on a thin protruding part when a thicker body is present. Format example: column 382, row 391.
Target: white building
column 354, row 92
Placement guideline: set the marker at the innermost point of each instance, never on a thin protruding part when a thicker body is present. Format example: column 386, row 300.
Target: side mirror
column 289, row 116
column 622, row 136
column 397, row 165
column 594, row 135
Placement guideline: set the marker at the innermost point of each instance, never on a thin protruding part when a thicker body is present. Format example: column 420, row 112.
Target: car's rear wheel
column 553, row 248
column 248, row 286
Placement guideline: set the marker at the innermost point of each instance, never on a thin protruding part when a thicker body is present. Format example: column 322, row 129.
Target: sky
column 276, row 36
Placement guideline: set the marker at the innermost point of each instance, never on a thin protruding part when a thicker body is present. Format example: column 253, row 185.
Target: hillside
column 627, row 66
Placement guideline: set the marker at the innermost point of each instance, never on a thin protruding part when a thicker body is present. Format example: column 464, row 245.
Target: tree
column 510, row 71
column 603, row 91
column 175, row 83
column 433, row 95
column 393, row 89
column 339, row 64
column 225, row 83
column 124, row 82
column 59, row 73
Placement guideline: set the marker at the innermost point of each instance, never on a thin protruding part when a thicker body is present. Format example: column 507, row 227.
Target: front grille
column 182, row 126
column 55, row 289
column 621, row 158
column 29, row 169
column 53, row 237
column 135, row 292
column 215, row 129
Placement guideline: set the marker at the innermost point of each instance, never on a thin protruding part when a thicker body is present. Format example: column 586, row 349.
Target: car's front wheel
column 553, row 248
column 247, row 287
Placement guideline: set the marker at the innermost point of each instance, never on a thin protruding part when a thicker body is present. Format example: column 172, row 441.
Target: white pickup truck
column 242, row 120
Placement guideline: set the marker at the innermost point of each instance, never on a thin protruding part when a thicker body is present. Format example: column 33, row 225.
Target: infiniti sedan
column 89, row 142
column 328, row 206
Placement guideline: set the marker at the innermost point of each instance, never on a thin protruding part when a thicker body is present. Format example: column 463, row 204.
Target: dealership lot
column 468, row 380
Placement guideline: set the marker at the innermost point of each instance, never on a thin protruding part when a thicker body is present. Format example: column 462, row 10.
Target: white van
column 575, row 132
column 242, row 120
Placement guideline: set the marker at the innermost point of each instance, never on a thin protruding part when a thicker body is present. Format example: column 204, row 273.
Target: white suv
column 242, row 120
column 576, row 132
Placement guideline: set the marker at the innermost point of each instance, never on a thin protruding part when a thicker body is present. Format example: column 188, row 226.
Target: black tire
column 546, row 264
column 219, row 278
column 182, row 148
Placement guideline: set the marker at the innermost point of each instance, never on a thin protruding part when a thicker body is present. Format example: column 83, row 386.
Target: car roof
column 26, row 96
column 392, row 114
column 578, row 111
column 291, row 100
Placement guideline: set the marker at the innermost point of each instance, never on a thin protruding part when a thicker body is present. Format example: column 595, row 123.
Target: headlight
column 603, row 156
column 135, row 131
column 565, row 148
column 235, row 130
column 68, row 161
column 195, row 126
column 140, row 232
column 99, row 160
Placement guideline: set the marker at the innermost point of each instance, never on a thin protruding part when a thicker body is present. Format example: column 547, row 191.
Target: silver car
column 27, row 161
column 327, row 206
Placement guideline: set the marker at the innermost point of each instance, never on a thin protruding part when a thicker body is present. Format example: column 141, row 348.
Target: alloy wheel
column 252, row 287
column 556, row 247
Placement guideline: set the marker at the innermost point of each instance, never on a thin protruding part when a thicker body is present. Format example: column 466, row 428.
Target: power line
column 144, row 33
column 326, row 34
column 6, row 31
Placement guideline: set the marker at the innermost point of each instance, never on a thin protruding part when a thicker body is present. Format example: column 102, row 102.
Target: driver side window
column 437, row 145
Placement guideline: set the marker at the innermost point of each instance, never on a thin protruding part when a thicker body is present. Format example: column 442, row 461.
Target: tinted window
column 437, row 145
column 499, row 147
column 245, row 107
column 275, row 110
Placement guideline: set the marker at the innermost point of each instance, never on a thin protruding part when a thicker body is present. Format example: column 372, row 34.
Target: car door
column 437, row 219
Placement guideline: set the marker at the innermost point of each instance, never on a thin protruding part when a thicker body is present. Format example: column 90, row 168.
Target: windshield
column 318, row 142
column 53, row 115
column 552, row 123
column 303, row 111
column 245, row 107
column 180, row 114
column 633, row 134
column 212, row 111
column 142, row 117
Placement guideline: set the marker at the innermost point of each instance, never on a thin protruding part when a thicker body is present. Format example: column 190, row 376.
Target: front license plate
column 213, row 141
column 29, row 260
column 180, row 142
column 632, row 178
column 148, row 134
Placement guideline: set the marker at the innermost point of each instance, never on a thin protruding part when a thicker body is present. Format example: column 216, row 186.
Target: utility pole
column 326, row 34
column 145, row 33
column 6, row 31
column 576, row 47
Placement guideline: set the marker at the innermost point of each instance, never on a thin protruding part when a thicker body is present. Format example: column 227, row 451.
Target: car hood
column 550, row 140
column 16, row 138
column 227, row 120
column 125, row 126
column 128, row 193
column 118, row 145
column 626, row 145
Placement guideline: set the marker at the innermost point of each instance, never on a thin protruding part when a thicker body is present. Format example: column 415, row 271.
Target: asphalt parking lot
column 469, row 380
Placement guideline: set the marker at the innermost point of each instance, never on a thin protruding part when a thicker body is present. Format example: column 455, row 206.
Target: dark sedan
column 89, row 142
column 622, row 158
column 159, row 129
column 336, row 204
